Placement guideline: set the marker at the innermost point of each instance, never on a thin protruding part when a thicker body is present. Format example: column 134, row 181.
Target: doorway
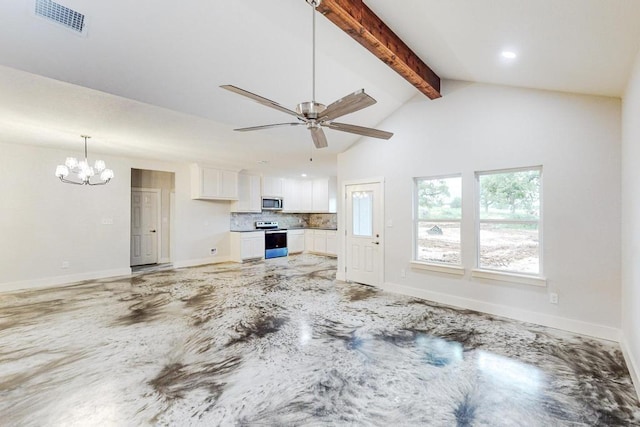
column 364, row 240
column 145, row 218
column 152, row 195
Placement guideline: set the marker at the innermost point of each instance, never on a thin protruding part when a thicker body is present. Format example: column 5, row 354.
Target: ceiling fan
column 315, row 115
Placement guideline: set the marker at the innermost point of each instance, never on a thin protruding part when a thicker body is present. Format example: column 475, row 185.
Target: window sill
column 509, row 277
column 440, row 268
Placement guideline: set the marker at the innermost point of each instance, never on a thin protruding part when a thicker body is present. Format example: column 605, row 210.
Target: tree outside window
column 509, row 220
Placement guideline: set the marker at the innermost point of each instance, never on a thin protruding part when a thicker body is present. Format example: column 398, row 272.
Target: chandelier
column 86, row 174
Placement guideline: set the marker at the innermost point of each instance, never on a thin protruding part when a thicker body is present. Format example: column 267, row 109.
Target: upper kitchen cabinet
column 320, row 192
column 272, row 186
column 290, row 195
column 325, row 195
column 249, row 199
column 314, row 196
column 305, row 195
column 209, row 183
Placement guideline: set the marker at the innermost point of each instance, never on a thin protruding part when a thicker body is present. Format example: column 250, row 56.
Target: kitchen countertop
column 290, row 228
column 312, row 228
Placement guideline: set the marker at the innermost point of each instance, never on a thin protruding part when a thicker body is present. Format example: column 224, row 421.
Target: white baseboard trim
column 631, row 364
column 164, row 260
column 571, row 325
column 49, row 282
column 201, row 261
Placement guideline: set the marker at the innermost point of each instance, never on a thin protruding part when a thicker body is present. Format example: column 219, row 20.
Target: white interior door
column 364, row 240
column 144, row 227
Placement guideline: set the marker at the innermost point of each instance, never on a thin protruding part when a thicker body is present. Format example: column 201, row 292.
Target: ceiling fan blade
column 360, row 130
column 348, row 104
column 319, row 139
column 259, row 99
column 267, row 126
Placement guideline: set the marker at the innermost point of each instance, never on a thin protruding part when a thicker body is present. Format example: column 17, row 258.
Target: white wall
column 631, row 222
column 477, row 127
column 44, row 223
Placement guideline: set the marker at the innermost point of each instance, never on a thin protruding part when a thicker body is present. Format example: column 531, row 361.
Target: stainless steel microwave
column 271, row 204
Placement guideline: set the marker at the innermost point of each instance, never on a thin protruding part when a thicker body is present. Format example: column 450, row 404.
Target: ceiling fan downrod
column 314, row 4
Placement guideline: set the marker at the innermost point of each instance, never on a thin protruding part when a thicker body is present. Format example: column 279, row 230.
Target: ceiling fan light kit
column 315, row 115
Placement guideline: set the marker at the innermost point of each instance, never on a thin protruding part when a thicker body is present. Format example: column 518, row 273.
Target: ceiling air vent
column 62, row 15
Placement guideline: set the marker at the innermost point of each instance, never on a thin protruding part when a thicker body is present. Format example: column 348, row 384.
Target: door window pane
column 362, row 203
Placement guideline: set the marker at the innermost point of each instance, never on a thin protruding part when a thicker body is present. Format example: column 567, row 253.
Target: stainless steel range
column 275, row 239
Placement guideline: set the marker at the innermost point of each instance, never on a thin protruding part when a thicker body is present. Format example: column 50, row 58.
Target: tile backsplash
column 247, row 221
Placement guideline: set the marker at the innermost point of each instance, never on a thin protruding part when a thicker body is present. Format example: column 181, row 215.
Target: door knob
column 152, row 231
column 376, row 243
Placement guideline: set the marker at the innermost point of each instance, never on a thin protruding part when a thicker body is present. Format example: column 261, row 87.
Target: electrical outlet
column 213, row 251
column 403, row 273
column 65, row 264
column 553, row 298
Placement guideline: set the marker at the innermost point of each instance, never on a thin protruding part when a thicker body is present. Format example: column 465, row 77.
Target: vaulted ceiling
column 144, row 79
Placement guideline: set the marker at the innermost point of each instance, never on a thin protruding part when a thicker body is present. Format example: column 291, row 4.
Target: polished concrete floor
column 279, row 342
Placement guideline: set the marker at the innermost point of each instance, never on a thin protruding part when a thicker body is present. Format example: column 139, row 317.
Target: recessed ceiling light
column 304, row 175
column 509, row 54
column 263, row 162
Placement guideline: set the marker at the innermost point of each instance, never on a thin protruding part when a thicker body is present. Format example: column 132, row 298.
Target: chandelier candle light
column 84, row 172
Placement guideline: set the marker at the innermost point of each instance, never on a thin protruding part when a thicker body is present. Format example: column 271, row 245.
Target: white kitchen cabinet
column 247, row 245
column 272, row 186
column 290, row 195
column 305, row 195
column 332, row 242
column 209, row 183
column 295, row 241
column 323, row 242
column 320, row 241
column 308, row 240
column 320, row 192
column 314, row 196
column 325, row 195
column 249, row 199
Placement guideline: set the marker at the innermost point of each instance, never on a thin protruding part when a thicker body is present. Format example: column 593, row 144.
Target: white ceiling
column 145, row 79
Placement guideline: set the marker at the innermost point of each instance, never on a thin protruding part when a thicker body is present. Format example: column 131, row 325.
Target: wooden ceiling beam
column 357, row 20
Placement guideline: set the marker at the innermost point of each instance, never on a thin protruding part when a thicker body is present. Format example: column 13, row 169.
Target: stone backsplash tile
column 247, row 221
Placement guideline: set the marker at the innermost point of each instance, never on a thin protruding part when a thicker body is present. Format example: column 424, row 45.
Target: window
column 437, row 216
column 508, row 220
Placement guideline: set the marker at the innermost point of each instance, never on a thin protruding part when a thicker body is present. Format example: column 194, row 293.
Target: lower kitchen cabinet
column 295, row 241
column 247, row 245
column 322, row 242
column 332, row 242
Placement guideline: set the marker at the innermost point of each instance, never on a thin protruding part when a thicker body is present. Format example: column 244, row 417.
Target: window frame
column 442, row 267
column 485, row 272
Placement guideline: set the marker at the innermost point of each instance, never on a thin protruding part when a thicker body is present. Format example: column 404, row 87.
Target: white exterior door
column 364, row 240
column 144, row 227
